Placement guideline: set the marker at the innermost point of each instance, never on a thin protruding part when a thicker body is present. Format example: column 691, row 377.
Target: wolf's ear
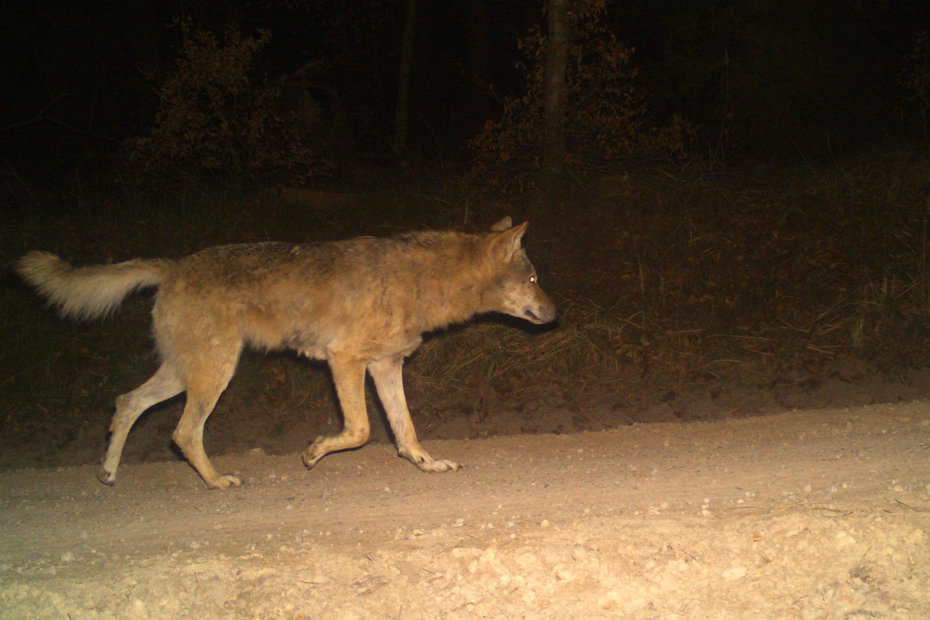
column 502, row 225
column 505, row 244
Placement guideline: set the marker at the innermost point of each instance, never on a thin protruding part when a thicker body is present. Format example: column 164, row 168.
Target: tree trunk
column 401, row 109
column 555, row 91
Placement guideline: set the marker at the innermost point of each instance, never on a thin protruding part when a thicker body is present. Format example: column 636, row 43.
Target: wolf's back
column 88, row 292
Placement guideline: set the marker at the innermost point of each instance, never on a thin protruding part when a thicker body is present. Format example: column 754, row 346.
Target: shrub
column 605, row 118
column 215, row 120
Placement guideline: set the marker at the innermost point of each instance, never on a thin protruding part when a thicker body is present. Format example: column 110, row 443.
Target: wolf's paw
column 435, row 466
column 419, row 457
column 309, row 460
column 224, row 482
column 106, row 477
column 313, row 453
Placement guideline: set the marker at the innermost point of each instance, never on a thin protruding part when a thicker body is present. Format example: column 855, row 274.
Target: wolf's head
column 514, row 287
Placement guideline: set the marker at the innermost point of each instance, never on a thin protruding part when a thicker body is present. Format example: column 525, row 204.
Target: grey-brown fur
column 360, row 304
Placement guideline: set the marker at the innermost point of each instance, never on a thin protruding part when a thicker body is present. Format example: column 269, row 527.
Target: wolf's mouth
column 535, row 318
column 540, row 316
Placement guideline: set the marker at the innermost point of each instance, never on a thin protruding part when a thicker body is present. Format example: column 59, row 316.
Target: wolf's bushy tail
column 88, row 292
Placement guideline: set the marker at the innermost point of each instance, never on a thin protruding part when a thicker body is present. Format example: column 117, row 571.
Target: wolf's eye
column 533, row 279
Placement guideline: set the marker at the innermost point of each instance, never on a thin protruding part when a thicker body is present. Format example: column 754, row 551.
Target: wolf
column 361, row 304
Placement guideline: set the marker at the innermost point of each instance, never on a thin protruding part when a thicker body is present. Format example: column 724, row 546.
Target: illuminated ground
column 807, row 514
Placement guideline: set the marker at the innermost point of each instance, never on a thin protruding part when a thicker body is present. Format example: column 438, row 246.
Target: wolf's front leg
column 387, row 374
column 349, row 377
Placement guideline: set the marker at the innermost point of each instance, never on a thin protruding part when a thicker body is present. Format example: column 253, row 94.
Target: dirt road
column 808, row 514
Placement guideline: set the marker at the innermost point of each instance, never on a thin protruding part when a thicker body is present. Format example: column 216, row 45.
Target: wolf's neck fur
column 452, row 283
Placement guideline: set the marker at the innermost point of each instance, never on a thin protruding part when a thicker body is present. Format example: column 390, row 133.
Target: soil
column 804, row 514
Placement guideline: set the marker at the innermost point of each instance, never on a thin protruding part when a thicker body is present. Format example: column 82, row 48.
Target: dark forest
column 762, row 81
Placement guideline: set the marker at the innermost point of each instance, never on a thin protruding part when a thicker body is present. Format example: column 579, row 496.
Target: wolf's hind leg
column 163, row 385
column 387, row 374
column 349, row 377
